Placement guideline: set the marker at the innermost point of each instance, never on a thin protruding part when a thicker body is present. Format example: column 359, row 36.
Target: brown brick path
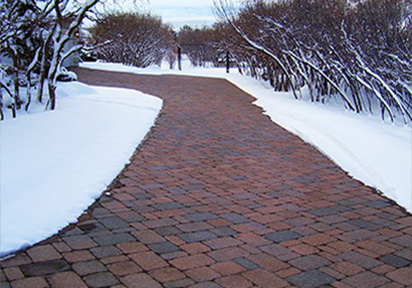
column 219, row 196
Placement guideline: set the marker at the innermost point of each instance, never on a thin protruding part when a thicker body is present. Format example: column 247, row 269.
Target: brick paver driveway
column 219, row 196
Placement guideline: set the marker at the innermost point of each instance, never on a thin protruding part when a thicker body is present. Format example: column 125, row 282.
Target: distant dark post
column 179, row 58
column 227, row 62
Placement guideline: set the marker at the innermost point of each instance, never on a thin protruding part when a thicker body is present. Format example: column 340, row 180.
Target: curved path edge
column 219, row 196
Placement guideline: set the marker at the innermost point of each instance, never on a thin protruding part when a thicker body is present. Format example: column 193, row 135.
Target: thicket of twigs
column 201, row 45
column 34, row 36
column 359, row 52
column 133, row 39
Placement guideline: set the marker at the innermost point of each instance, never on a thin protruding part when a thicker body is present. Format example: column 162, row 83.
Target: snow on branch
column 329, row 46
column 36, row 35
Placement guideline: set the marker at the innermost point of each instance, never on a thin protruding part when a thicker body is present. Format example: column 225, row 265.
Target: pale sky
column 196, row 13
column 177, row 13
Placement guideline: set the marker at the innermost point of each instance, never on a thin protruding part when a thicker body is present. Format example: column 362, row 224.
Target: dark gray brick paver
column 201, row 216
column 89, row 267
column 219, row 196
column 360, row 259
column 310, row 262
column 167, row 231
column 223, row 231
column 197, row 236
column 282, row 236
column 106, row 251
column 246, row 263
column 395, row 261
column 235, row 218
column 114, row 223
column 98, row 280
column 164, row 248
column 45, row 268
column 311, row 279
column 114, row 239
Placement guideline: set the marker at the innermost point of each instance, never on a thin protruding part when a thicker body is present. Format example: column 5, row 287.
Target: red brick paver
column 219, row 196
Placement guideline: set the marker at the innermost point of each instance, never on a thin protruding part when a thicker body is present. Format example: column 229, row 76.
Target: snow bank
column 377, row 153
column 54, row 164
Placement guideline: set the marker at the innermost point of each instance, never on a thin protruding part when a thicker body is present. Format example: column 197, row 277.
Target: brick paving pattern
column 219, row 196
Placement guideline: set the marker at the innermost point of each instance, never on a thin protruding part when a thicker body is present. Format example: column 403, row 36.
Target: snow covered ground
column 375, row 152
column 54, row 164
column 44, row 184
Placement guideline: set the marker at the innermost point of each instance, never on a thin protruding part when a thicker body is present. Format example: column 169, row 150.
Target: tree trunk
column 28, row 91
column 16, row 98
column 52, row 95
column 43, row 64
column 1, row 105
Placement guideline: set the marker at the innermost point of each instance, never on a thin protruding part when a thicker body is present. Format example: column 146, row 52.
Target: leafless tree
column 66, row 22
column 200, row 45
column 359, row 51
column 135, row 39
column 34, row 34
column 16, row 29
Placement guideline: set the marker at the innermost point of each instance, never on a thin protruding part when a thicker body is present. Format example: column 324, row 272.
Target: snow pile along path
column 378, row 154
column 54, row 164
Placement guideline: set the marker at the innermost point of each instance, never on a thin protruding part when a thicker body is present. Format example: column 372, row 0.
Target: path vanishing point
column 219, row 196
